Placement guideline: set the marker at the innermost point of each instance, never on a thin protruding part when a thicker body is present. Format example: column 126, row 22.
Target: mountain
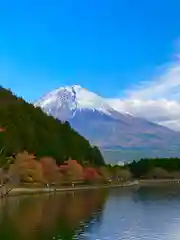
column 120, row 136
column 29, row 128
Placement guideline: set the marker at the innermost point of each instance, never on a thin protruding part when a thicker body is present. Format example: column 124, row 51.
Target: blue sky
column 107, row 46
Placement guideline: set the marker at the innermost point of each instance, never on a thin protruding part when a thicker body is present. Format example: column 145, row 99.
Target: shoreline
column 139, row 183
column 158, row 182
column 26, row 191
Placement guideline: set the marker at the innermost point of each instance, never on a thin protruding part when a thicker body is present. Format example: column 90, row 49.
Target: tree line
column 165, row 167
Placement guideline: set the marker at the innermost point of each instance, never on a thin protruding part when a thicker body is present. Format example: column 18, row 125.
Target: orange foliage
column 27, row 167
column 76, row 170
column 46, row 170
column 51, row 171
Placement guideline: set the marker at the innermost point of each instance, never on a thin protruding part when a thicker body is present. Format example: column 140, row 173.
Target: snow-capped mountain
column 83, row 100
column 94, row 118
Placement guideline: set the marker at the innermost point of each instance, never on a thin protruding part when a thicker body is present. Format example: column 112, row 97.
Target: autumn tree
column 75, row 170
column 51, row 171
column 27, row 167
column 91, row 175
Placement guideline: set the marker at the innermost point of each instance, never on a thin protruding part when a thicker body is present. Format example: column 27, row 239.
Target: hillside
column 29, row 128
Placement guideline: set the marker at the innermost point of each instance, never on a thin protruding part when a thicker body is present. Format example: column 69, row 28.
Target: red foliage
column 2, row 129
column 72, row 170
column 68, row 164
column 90, row 173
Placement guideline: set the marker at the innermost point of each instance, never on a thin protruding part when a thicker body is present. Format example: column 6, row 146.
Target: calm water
column 147, row 214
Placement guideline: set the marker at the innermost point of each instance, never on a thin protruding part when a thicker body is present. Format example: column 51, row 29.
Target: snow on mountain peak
column 81, row 97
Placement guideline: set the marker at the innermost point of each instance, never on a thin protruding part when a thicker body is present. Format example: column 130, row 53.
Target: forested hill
column 28, row 128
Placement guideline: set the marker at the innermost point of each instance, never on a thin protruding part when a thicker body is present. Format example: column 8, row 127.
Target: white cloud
column 166, row 85
column 157, row 100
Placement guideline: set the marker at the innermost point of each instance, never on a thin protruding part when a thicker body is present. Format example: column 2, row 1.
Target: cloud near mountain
column 157, row 100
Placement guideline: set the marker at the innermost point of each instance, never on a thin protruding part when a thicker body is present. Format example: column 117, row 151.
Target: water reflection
column 126, row 214
column 60, row 216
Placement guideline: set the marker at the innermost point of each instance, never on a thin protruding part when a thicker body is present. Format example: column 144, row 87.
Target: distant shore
column 157, row 182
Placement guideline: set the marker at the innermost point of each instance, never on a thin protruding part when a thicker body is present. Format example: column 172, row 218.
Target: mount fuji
column 120, row 136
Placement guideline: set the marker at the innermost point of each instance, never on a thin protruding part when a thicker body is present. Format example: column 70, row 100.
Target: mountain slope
column 95, row 119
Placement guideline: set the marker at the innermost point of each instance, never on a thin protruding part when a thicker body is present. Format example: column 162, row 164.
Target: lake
column 151, row 213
